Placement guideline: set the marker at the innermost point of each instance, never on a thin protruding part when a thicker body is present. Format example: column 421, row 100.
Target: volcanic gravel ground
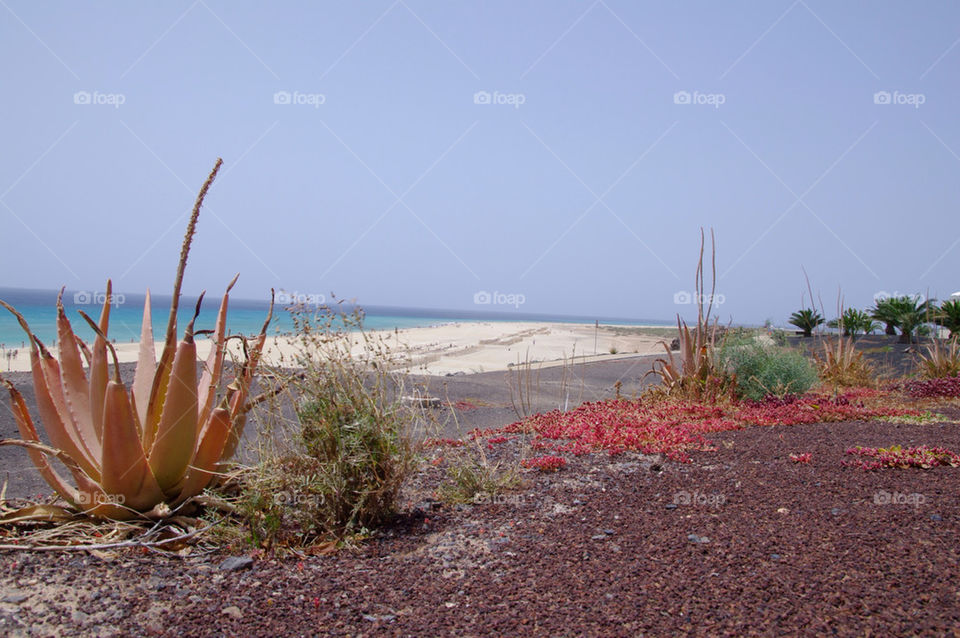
column 742, row 541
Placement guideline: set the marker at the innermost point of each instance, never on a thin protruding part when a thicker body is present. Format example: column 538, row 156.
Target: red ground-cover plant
column 922, row 456
column 676, row 427
column 805, row 457
column 548, row 463
column 444, row 442
column 930, row 388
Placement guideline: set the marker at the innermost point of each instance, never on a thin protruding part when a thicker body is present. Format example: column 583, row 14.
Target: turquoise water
column 244, row 317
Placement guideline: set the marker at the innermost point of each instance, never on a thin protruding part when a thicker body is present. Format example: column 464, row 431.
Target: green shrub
column 333, row 468
column 763, row 370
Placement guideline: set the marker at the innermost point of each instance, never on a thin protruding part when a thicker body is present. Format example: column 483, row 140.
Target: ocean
column 39, row 308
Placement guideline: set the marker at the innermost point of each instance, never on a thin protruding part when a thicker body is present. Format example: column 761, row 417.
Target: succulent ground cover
column 674, row 428
column 896, row 456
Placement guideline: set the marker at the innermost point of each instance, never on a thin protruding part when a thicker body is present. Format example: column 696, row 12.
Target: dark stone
column 235, row 563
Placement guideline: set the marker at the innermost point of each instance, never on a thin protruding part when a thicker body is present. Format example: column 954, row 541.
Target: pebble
column 693, row 538
column 936, row 517
column 236, row 562
column 775, row 556
column 836, row 511
column 233, row 611
column 15, row 598
column 597, row 537
column 609, row 532
column 671, row 506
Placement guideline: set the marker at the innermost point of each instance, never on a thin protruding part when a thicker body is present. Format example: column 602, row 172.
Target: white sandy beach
column 465, row 347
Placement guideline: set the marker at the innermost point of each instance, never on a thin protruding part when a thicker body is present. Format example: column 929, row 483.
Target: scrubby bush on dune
column 342, row 460
column 763, row 369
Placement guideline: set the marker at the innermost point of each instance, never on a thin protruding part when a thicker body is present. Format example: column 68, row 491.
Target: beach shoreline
column 463, row 347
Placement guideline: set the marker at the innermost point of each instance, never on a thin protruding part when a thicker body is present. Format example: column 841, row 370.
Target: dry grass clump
column 941, row 360
column 698, row 374
column 842, row 365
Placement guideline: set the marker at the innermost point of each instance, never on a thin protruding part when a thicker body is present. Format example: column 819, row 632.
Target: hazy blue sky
column 416, row 153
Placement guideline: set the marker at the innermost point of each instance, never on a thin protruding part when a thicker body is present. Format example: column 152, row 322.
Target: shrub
column 337, row 467
column 763, row 370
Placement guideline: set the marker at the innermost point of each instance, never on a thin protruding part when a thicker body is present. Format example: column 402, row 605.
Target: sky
column 553, row 157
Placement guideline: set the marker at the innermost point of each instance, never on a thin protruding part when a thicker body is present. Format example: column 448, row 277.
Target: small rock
column 577, row 502
column 671, row 506
column 597, row 537
column 936, row 517
column 15, row 598
column 774, row 556
column 609, row 532
column 232, row 611
column 693, row 538
column 384, row 617
column 79, row 617
column 236, row 562
column 836, row 511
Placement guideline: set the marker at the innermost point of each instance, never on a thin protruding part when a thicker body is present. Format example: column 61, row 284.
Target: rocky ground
column 741, row 541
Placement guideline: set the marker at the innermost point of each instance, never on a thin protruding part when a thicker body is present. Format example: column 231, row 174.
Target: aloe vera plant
column 144, row 449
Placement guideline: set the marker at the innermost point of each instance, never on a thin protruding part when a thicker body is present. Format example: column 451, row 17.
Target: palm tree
column 948, row 316
column 911, row 315
column 885, row 311
column 806, row 320
column 853, row 321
